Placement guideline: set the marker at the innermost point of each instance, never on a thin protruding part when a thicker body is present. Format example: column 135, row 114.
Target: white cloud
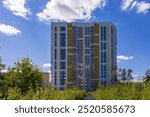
column 135, row 75
column 140, row 7
column 70, row 10
column 124, row 58
column 143, row 7
column 17, row 7
column 9, row 30
column 126, row 4
column 47, row 65
column 133, row 5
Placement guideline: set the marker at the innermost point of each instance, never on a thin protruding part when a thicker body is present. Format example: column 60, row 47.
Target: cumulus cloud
column 47, row 65
column 17, row 7
column 143, row 7
column 139, row 6
column 69, row 10
column 9, row 30
column 126, row 4
column 124, row 58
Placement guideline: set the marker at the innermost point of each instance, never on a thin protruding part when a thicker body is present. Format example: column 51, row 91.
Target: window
column 87, row 42
column 103, row 45
column 79, row 33
column 103, row 71
column 55, row 28
column 55, row 54
column 87, row 51
column 62, row 39
column 74, row 30
column 62, row 65
column 55, row 43
column 87, row 30
column 62, row 77
column 63, row 54
column 103, row 33
column 103, row 57
column 55, row 65
column 87, row 60
column 55, row 82
column 62, row 28
column 55, row 35
column 112, row 30
column 55, row 39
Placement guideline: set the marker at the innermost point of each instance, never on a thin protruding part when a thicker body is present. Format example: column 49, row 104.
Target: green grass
column 123, row 91
column 46, row 94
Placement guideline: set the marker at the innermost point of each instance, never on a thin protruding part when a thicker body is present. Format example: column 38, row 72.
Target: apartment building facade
column 83, row 54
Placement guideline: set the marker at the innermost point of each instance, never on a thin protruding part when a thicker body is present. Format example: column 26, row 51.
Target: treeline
column 127, row 75
column 24, row 81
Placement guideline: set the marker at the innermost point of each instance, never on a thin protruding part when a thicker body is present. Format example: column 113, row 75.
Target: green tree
column 147, row 75
column 2, row 66
column 119, row 74
column 24, row 75
column 123, row 74
column 3, row 81
column 114, row 74
column 129, row 74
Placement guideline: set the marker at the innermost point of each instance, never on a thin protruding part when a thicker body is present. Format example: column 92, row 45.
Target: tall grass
column 46, row 94
column 123, row 91
column 120, row 91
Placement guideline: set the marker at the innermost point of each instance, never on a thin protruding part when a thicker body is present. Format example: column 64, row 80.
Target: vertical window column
column 103, row 55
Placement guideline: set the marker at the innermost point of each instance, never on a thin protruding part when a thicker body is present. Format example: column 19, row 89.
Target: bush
column 145, row 93
column 24, row 75
column 121, row 91
column 14, row 94
column 46, row 94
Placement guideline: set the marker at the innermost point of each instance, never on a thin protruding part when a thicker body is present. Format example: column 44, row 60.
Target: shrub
column 121, row 91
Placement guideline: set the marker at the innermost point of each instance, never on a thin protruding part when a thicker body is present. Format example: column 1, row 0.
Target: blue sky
column 25, row 28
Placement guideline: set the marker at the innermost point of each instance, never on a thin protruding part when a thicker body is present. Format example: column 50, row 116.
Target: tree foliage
column 3, row 81
column 46, row 94
column 24, row 75
column 125, row 75
column 24, row 81
column 147, row 75
column 114, row 74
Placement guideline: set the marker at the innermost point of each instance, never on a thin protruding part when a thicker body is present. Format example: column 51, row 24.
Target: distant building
column 83, row 54
column 46, row 80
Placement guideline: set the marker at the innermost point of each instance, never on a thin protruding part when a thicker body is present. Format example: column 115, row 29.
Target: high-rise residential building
column 83, row 54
